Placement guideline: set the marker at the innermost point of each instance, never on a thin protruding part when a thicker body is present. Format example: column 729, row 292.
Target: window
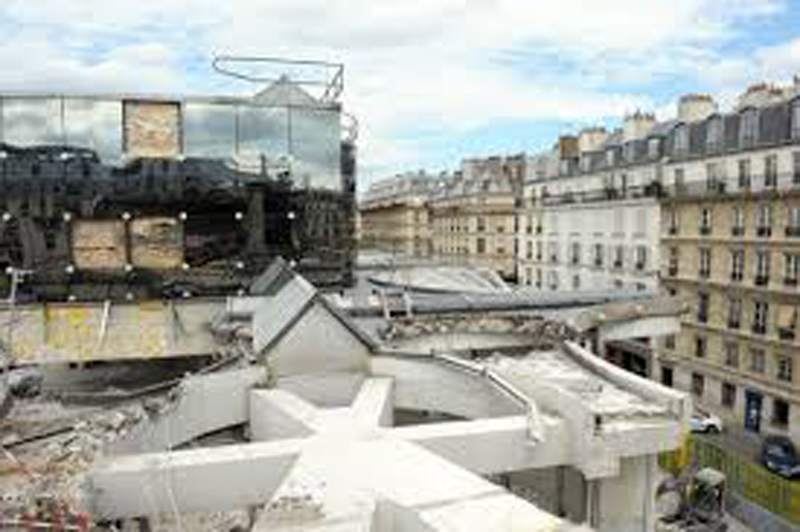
column 715, row 133
column 481, row 246
column 728, row 395
column 715, row 176
column 796, row 167
column 705, row 221
column 641, row 258
column 771, row 171
column 780, row 413
column 672, row 216
column 698, row 384
column 791, row 268
column 553, row 246
column 764, row 220
column 702, row 307
column 666, row 376
column 481, row 223
column 611, row 157
column 748, row 134
column 653, row 148
column 576, row 253
column 737, row 265
column 681, row 139
column 757, row 360
column 669, row 342
column 529, row 250
column 734, row 312
column 762, row 268
column 745, row 174
column 796, row 119
column 679, row 178
column 598, row 255
column 700, row 347
column 619, row 257
column 705, row 263
column 539, row 251
column 760, row 314
column 554, row 280
column 784, row 369
column 674, row 260
column 576, row 282
column 732, row 354
column 738, row 221
column 793, row 227
column 538, row 278
column 630, row 151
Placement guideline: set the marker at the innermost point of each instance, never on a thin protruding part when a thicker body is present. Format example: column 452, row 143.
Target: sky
column 430, row 81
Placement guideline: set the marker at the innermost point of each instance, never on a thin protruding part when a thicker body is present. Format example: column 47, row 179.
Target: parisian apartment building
column 705, row 206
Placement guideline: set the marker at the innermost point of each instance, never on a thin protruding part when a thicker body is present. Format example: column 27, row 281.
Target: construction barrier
column 750, row 480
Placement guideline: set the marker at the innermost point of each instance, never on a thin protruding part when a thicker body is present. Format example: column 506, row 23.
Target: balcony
column 617, row 265
column 763, row 232
column 598, row 263
column 790, row 281
column 672, row 271
column 759, row 328
column 673, row 230
column 705, row 230
column 733, row 324
column 737, row 277
column 761, row 280
column 639, row 266
column 737, row 231
column 792, row 231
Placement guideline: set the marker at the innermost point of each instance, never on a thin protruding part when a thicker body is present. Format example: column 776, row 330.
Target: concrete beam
column 275, row 415
column 373, row 405
column 206, row 403
column 201, row 480
column 492, row 446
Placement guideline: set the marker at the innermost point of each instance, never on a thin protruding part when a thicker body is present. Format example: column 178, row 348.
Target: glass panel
column 209, row 130
column 315, row 145
column 263, row 136
column 32, row 121
column 94, row 124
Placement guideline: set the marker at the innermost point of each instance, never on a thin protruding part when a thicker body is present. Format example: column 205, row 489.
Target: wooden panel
column 157, row 243
column 99, row 245
column 152, row 129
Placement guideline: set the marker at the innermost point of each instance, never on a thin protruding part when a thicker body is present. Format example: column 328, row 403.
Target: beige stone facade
column 395, row 215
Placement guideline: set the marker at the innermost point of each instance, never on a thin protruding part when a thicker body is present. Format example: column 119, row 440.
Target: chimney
column 591, row 139
column 637, row 126
column 696, row 107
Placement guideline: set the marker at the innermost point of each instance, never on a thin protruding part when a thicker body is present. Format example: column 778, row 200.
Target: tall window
column 791, row 268
column 734, row 312
column 674, row 260
column 715, row 133
column 796, row 119
column 762, row 268
column 598, row 255
column 705, row 221
column 700, row 347
column 757, row 360
column 732, row 354
column 760, row 315
column 619, row 257
column 714, row 175
column 681, row 139
column 641, row 258
column 771, row 170
column 764, row 220
column 481, row 246
column 796, row 167
column 674, row 221
column 745, row 174
column 793, row 228
column 679, row 178
column 784, row 368
column 748, row 134
column 698, row 384
column 737, row 265
column 702, row 307
column 653, row 148
column 705, row 263
column 576, row 253
column 738, row 221
column 728, row 391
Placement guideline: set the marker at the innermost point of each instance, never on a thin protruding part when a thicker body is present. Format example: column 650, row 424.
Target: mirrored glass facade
column 253, row 136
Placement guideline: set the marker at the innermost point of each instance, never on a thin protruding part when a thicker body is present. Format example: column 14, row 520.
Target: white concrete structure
column 324, row 454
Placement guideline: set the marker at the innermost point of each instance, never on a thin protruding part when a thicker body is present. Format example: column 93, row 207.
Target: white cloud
column 444, row 67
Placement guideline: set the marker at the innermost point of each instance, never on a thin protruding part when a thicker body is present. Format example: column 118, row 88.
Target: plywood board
column 99, row 244
column 157, row 243
column 152, row 129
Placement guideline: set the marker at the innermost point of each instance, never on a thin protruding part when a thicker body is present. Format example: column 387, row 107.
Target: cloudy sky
column 431, row 81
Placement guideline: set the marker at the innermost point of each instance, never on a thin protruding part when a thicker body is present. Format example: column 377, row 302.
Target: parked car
column 704, row 422
column 779, row 456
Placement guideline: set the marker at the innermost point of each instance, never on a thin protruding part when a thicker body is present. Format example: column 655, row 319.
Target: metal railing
column 748, row 479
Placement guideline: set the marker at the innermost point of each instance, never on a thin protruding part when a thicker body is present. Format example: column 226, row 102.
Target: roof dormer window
column 796, row 118
column 653, row 148
column 681, row 139
column 748, row 134
column 716, row 131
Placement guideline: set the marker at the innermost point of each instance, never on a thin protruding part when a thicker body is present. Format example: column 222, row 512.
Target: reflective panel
column 315, row 146
column 263, row 135
column 94, row 124
column 31, row 121
column 209, row 130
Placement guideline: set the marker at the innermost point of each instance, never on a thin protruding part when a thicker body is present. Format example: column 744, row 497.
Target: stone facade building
column 395, row 215
column 730, row 241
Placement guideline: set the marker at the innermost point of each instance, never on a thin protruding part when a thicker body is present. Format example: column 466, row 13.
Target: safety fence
column 748, row 479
